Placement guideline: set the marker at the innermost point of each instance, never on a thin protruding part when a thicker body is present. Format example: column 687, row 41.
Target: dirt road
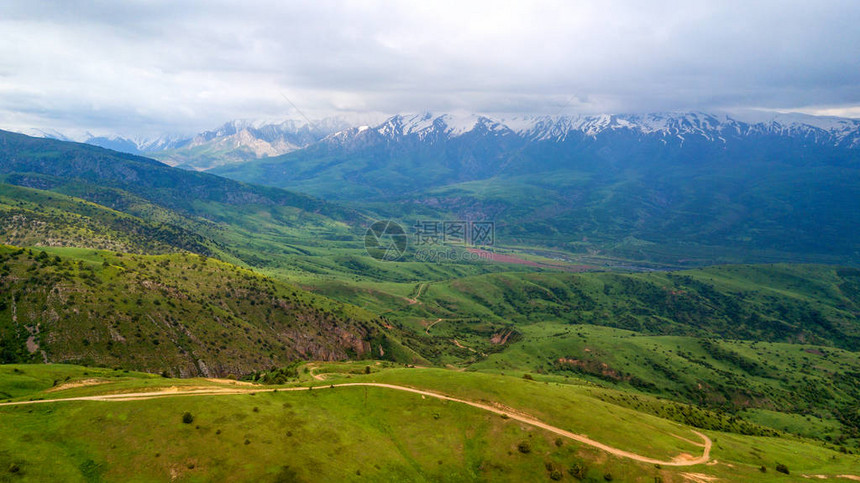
column 682, row 460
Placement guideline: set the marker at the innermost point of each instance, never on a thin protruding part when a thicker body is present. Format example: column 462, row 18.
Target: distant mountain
column 241, row 141
column 234, row 142
column 767, row 184
column 669, row 127
column 472, row 147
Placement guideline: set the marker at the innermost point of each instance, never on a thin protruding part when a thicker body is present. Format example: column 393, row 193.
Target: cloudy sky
column 144, row 68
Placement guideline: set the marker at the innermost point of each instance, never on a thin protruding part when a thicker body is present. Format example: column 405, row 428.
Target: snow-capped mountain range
column 842, row 132
column 247, row 140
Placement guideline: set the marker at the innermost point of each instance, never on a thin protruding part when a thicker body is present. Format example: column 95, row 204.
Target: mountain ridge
column 840, row 131
column 617, row 183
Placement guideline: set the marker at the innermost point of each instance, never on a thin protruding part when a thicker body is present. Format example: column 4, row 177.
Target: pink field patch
column 500, row 258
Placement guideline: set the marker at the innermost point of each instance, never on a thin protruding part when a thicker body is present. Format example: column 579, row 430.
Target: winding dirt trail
column 427, row 330
column 681, row 460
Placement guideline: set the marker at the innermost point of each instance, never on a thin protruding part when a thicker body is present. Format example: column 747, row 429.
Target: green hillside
column 272, row 433
column 182, row 314
column 36, row 217
column 772, row 343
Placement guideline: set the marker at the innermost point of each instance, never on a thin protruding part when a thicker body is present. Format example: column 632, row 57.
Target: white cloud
column 148, row 67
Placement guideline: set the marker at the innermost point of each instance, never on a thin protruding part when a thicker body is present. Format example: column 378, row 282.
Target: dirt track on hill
column 681, row 460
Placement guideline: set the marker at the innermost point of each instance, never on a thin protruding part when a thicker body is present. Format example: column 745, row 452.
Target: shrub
column 524, row 447
column 14, row 468
column 187, row 418
column 528, row 377
column 578, row 471
column 367, row 369
column 559, row 442
column 555, row 475
column 608, row 477
column 782, row 468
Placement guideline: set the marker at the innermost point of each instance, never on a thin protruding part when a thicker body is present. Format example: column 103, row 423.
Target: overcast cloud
column 164, row 66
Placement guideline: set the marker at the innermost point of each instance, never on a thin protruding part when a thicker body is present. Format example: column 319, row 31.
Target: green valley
column 133, row 293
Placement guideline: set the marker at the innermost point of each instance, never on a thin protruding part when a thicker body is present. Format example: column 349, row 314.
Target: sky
column 150, row 67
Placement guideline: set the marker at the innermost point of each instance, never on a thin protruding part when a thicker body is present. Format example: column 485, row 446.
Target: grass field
column 358, row 433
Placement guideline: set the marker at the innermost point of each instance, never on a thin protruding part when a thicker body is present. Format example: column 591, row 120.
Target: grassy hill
column 772, row 343
column 779, row 303
column 361, row 433
column 182, row 314
column 244, row 224
column 50, row 164
column 35, row 217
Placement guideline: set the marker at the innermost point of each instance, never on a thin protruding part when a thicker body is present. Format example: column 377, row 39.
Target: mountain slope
column 31, row 217
column 142, row 176
column 669, row 187
column 240, row 223
column 137, row 312
column 778, row 341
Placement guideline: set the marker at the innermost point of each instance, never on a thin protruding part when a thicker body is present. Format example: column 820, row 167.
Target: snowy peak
column 713, row 127
column 424, row 126
column 668, row 127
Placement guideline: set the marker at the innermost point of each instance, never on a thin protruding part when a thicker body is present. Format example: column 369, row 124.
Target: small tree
column 782, row 468
column 524, row 447
column 187, row 418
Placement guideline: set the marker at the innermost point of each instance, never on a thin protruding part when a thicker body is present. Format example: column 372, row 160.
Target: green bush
column 782, row 468
column 578, row 471
column 187, row 418
column 524, row 447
